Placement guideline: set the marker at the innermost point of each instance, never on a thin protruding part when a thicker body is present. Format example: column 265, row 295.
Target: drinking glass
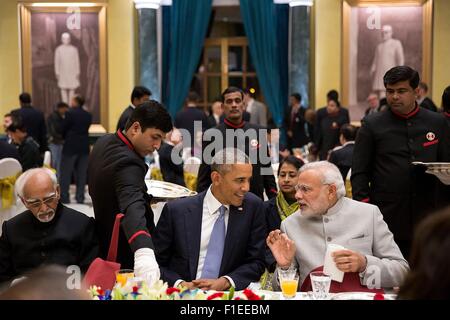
column 289, row 282
column 320, row 283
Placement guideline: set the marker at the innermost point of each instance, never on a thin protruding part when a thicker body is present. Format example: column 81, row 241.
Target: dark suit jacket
column 26, row 243
column 259, row 182
column 211, row 121
column 185, row 120
column 8, row 151
column 124, row 118
column 76, row 131
column 327, row 128
column 171, row 172
column 296, row 123
column 342, row 158
column 177, row 241
column 273, row 222
column 30, row 156
column 427, row 103
column 34, row 121
column 116, row 184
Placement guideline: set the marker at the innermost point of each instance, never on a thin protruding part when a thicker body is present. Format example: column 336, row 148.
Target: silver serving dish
column 167, row 190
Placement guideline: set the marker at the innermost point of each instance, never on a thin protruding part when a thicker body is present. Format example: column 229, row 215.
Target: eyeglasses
column 304, row 189
column 37, row 203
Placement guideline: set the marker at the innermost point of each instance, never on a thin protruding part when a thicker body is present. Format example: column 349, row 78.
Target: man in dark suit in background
column 138, row 95
column 422, row 98
column 34, row 121
column 342, row 156
column 297, row 127
column 75, row 150
column 214, row 240
column 26, row 146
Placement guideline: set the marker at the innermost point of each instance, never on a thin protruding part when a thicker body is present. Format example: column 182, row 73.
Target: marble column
column 148, row 51
column 299, row 67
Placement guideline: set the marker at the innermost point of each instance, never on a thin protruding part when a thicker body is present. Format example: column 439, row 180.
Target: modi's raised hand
column 283, row 248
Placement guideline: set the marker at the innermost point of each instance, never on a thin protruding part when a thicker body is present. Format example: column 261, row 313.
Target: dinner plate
column 167, row 190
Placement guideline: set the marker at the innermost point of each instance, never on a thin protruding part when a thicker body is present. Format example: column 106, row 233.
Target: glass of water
column 320, row 283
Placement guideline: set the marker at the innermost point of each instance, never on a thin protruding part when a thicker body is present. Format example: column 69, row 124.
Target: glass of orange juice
column 123, row 276
column 288, row 281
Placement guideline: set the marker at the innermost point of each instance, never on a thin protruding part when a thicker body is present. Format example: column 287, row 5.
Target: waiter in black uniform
column 116, row 185
column 387, row 144
column 248, row 141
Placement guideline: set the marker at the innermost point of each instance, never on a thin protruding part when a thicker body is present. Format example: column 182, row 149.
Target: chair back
column 351, row 283
column 47, row 159
column 9, row 167
column 9, row 170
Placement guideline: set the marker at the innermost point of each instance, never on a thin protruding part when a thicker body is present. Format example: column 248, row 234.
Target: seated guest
column 8, row 151
column 342, row 156
column 284, row 204
column 47, row 233
column 430, row 262
column 171, row 171
column 28, row 148
column 214, row 240
column 326, row 216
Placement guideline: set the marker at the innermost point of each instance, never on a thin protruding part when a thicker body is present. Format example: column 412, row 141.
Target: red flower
column 215, row 295
column 251, row 295
column 135, row 289
column 169, row 291
column 100, row 292
column 378, row 296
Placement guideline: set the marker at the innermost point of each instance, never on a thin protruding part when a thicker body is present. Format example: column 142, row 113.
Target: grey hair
column 24, row 177
column 222, row 160
column 330, row 175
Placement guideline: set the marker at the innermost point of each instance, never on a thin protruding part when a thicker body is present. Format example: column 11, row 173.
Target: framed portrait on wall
column 63, row 50
column 378, row 35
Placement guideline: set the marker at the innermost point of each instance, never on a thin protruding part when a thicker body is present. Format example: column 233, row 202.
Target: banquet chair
column 47, row 159
column 350, row 283
column 10, row 169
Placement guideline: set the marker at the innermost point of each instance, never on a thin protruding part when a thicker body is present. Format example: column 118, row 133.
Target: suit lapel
column 193, row 224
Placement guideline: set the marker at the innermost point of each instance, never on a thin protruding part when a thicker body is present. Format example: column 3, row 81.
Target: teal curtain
column 188, row 24
column 266, row 28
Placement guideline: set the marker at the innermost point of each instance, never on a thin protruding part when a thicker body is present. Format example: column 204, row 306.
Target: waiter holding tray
column 116, row 184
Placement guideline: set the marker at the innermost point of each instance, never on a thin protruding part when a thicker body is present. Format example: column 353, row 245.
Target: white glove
column 145, row 265
column 441, row 174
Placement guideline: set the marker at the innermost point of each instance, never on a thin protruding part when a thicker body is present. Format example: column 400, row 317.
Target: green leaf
column 231, row 294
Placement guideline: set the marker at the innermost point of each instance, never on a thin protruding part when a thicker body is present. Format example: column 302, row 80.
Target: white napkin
column 329, row 267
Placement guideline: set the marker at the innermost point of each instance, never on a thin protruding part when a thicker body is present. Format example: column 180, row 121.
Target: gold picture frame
column 90, row 41
column 348, row 39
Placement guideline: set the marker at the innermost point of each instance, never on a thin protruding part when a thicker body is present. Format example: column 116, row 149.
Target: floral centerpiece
column 161, row 291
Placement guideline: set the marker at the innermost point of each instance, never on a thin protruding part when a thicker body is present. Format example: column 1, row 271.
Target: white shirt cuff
column 231, row 281
column 177, row 283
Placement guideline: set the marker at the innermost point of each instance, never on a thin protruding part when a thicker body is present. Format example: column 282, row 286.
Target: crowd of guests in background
column 289, row 217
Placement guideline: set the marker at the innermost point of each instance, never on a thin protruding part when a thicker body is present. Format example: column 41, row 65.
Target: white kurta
column 67, row 66
column 387, row 55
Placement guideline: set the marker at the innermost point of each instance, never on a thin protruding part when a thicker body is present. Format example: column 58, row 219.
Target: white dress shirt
column 210, row 214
